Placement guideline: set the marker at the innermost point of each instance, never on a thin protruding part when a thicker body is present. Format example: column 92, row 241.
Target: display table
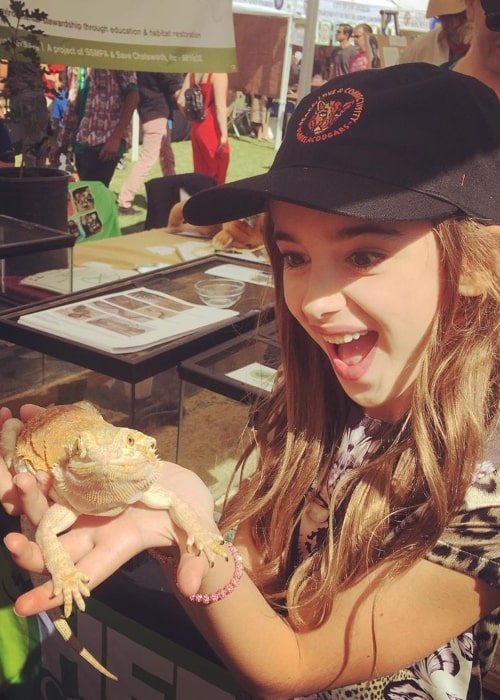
column 137, row 250
column 257, row 303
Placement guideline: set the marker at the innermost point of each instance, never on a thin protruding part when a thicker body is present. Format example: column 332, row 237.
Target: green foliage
column 21, row 43
column 23, row 37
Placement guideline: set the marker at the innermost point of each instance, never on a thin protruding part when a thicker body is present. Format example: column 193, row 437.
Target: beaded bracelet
column 208, row 598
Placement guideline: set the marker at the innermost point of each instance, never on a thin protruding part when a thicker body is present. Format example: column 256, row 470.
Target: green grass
column 248, row 157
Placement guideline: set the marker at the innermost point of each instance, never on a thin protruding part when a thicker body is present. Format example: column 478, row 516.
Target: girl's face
column 367, row 292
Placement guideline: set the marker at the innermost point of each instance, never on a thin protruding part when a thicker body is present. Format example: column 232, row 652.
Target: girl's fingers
column 26, row 554
column 28, row 410
column 36, row 600
column 5, row 414
column 10, row 497
column 190, row 573
column 30, row 496
column 98, row 562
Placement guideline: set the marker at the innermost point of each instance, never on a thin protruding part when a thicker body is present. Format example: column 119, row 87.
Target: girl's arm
column 220, row 83
column 376, row 627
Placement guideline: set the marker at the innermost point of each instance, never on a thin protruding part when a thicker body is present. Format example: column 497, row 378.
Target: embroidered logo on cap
column 331, row 114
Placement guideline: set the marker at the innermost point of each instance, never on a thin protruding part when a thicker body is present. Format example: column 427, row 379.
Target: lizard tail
column 67, row 634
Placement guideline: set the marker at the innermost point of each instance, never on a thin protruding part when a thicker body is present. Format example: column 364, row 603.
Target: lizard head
column 107, row 466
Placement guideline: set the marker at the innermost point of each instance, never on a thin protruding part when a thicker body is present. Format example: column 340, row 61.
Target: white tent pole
column 287, row 60
column 306, row 67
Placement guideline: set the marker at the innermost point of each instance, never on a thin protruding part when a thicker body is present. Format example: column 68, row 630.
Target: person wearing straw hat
column 448, row 41
column 482, row 60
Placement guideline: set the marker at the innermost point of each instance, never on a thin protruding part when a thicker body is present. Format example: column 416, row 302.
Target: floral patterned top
column 470, row 543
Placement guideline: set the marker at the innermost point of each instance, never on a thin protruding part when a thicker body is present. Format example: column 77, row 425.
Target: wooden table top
column 137, row 250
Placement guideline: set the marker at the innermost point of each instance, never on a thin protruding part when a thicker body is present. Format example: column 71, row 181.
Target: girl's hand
column 16, row 496
column 100, row 545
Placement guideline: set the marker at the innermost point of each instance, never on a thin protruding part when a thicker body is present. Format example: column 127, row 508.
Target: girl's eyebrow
column 348, row 232
column 372, row 227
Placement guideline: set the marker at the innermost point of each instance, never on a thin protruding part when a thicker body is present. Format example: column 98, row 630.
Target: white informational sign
column 167, row 36
column 274, row 7
column 411, row 12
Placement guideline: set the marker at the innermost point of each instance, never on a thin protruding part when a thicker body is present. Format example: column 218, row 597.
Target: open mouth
column 352, row 349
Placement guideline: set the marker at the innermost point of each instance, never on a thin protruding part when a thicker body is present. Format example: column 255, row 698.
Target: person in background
column 57, row 110
column 376, row 61
column 259, row 117
column 482, row 60
column 209, row 138
column 363, row 541
column 158, row 93
column 345, row 53
column 361, row 35
column 448, row 41
column 295, row 66
column 53, row 78
column 97, row 121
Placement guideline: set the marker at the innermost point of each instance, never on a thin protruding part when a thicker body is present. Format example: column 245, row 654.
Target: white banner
column 274, row 7
column 356, row 11
column 166, row 35
column 411, row 12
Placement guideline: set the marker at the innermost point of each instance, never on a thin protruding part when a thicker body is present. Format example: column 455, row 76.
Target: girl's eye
column 292, row 259
column 365, row 258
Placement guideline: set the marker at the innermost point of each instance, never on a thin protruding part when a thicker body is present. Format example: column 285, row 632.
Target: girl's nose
column 323, row 297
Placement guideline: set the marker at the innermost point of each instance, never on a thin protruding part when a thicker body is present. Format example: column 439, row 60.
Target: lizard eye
column 130, row 440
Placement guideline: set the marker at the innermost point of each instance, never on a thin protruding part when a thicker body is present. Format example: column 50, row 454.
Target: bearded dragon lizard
column 96, row 469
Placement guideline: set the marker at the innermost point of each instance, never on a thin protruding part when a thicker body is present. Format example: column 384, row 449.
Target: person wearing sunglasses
column 482, row 60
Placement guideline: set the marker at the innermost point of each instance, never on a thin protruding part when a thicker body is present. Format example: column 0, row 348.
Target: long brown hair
column 425, row 463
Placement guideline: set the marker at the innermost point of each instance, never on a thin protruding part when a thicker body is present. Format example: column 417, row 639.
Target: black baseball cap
column 409, row 142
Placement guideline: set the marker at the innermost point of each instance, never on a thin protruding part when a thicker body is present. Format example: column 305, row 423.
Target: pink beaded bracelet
column 208, row 598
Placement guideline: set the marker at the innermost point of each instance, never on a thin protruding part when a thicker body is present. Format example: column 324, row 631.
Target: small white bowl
column 220, row 292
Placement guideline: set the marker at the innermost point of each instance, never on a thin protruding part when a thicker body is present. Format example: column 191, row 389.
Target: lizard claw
column 205, row 542
column 73, row 586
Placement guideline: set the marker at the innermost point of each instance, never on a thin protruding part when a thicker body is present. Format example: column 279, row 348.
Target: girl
column 370, row 532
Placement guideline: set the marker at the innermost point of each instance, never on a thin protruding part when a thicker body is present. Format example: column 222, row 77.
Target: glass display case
column 36, row 262
column 242, row 369
column 136, row 377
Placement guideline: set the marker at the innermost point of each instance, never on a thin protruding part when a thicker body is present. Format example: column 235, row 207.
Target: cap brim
column 306, row 187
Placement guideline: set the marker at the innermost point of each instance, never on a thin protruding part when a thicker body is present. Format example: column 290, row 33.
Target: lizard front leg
column 65, row 576
column 185, row 517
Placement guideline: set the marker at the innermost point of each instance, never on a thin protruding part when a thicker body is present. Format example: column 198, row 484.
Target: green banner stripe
column 143, row 57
